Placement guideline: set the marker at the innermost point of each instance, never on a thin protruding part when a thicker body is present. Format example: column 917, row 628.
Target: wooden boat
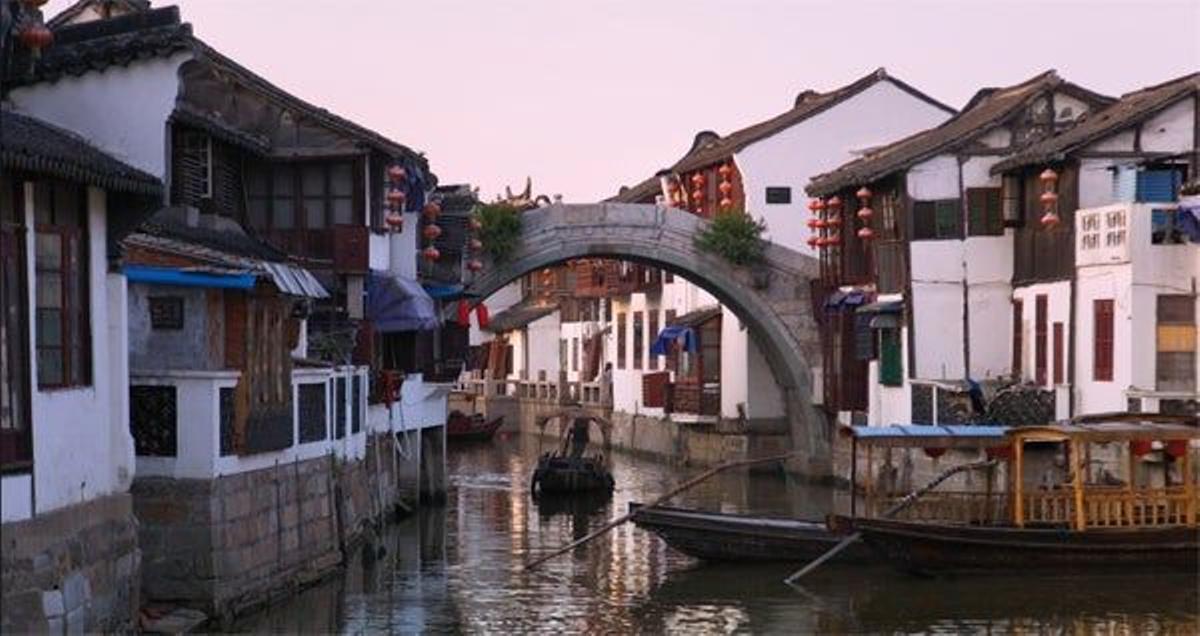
column 718, row 536
column 1093, row 519
column 557, row 474
column 461, row 427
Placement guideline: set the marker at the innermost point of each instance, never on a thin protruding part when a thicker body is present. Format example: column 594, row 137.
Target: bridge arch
column 778, row 315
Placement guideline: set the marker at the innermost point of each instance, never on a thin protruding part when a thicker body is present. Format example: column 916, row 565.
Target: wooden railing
column 951, row 507
column 585, row 393
column 1104, row 507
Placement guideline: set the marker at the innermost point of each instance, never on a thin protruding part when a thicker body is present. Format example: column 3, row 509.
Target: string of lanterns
column 474, row 245
column 865, row 213
column 698, row 182
column 1049, row 199
column 395, row 197
column 432, row 231
column 726, row 186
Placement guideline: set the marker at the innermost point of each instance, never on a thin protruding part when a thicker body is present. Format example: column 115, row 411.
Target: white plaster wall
column 1108, row 282
column 16, row 497
column 889, row 404
column 735, row 365
column 1068, row 108
column 122, row 453
column 1096, row 182
column 68, row 422
column 1058, row 305
column 989, row 312
column 504, row 298
column 122, row 110
column 1171, row 130
column 1117, row 142
column 198, row 426
column 791, row 157
column 542, row 343
column 938, row 330
column 933, row 179
column 764, row 398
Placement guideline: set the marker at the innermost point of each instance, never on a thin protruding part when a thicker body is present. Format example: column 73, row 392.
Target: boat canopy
column 929, row 436
column 1106, row 432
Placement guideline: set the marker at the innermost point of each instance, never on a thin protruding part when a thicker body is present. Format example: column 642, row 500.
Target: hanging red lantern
column 482, row 316
column 834, row 204
column 833, row 239
column 726, row 203
column 833, row 221
column 1049, row 198
column 865, row 214
column 1048, row 178
column 1177, row 448
column 475, row 245
column 725, row 170
column 474, row 265
column 1050, row 220
column 698, row 180
column 698, row 197
column 812, row 224
column 863, row 193
column 431, row 254
column 935, row 453
column 725, row 187
column 813, row 241
column 474, row 224
column 432, row 232
column 820, row 223
column 866, row 233
column 431, row 210
column 820, row 206
column 396, row 174
column 464, row 313
column 395, row 220
column 395, row 197
column 1139, row 447
column 814, row 205
column 36, row 37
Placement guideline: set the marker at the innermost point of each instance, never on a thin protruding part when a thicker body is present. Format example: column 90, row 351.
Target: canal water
column 458, row 569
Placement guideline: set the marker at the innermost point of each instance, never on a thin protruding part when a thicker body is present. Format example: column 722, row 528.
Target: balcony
column 346, row 246
column 688, row 398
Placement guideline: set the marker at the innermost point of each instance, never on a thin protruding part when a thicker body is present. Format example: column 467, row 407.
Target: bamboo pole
column 660, row 500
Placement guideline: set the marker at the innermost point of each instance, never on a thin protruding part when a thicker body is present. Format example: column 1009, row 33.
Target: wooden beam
column 1077, row 484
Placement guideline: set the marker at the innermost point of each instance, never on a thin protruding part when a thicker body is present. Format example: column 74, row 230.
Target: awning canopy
column 293, row 280
column 519, row 316
column 929, row 436
column 839, row 299
column 189, row 277
column 685, row 336
column 395, row 303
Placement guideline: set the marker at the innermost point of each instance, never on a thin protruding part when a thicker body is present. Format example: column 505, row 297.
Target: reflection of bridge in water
column 771, row 299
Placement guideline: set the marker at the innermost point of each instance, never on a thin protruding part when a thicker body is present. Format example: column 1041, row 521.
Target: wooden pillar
column 1189, row 485
column 853, row 475
column 1018, row 487
column 1077, row 483
column 1129, row 500
column 870, row 494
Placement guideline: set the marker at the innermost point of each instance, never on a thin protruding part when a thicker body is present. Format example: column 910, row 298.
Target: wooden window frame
column 16, row 438
column 1175, row 335
column 1102, row 339
column 68, row 235
column 1059, row 353
column 891, row 359
column 1041, row 334
column 298, row 197
column 948, row 208
column 1018, row 338
column 652, row 322
column 639, row 340
column 622, row 347
column 985, row 212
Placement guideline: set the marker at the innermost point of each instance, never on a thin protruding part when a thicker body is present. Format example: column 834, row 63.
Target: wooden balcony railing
column 1104, row 507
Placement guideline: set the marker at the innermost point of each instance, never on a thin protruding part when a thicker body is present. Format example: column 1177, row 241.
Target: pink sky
column 587, row 96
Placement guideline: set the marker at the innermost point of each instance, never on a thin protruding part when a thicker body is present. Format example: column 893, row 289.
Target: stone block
column 237, row 505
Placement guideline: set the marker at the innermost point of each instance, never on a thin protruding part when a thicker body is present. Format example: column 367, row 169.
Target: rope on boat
column 907, row 501
column 659, row 501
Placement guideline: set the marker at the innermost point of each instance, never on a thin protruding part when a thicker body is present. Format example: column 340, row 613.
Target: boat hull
column 930, row 548
column 561, row 475
column 463, row 428
column 713, row 536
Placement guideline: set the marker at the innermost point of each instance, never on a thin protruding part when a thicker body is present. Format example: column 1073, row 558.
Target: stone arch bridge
column 778, row 315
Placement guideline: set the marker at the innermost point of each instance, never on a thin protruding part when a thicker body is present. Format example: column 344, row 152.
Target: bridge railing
column 546, row 391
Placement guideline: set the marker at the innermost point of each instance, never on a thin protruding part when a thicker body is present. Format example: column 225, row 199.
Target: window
column 191, row 178
column 652, row 363
column 621, row 341
column 779, row 194
column 1102, row 340
column 1018, row 339
column 1058, row 353
column 1175, row 364
column 1011, row 205
column 710, row 350
column 891, row 365
column 936, row 220
column 62, row 295
column 639, row 340
column 1041, row 314
column 309, row 195
column 668, row 277
column 1159, row 185
column 984, row 217
column 1167, row 228
column 16, row 450
column 574, row 354
column 166, row 312
column 889, row 216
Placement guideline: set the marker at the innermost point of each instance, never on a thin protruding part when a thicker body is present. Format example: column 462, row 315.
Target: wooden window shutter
column 1058, row 353
column 1040, row 351
column 891, row 365
column 1018, row 342
column 1102, row 340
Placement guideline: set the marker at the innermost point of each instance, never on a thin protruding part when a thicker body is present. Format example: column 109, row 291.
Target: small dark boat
column 461, row 427
column 934, row 548
column 719, row 536
column 556, row 474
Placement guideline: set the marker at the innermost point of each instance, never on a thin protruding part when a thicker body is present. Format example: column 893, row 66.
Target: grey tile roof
column 518, row 316
column 32, row 145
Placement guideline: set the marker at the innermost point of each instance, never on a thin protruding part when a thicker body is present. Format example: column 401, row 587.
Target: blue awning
column 669, row 335
column 845, row 300
column 930, row 435
column 443, row 292
column 395, row 303
column 187, row 278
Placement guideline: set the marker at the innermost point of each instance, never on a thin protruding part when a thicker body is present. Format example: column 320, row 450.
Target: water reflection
column 459, row 569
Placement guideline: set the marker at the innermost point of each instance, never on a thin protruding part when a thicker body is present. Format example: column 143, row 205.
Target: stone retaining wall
column 71, row 570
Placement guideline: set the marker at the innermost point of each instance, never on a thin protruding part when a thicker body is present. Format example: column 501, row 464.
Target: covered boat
column 718, row 536
column 569, row 469
column 461, row 427
column 1092, row 518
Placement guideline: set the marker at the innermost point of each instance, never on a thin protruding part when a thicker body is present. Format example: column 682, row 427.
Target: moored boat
column 461, row 427
column 569, row 469
column 717, row 536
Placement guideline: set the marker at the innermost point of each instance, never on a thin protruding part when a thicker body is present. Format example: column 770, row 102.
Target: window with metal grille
column 779, row 194
column 1175, row 364
column 1041, row 315
column 310, row 195
column 984, row 216
column 1102, row 340
column 16, row 449
column 312, row 413
column 153, row 420
column 356, row 410
column 937, row 220
column 62, row 292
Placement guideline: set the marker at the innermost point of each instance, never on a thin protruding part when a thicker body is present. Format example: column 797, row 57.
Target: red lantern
column 814, row 205
column 813, row 241
column 1049, row 198
column 935, row 452
column 431, row 254
column 474, row 225
column 833, row 221
column 1139, row 447
column 697, row 196
column 726, row 202
column 431, row 232
column 475, row 245
column 1048, row 178
column 834, row 204
column 865, row 213
column 464, row 314
column 396, row 174
column 725, row 187
column 1050, row 220
column 820, row 206
column 431, row 210
column 395, row 197
column 812, row 224
column 820, row 223
column 36, row 37
column 866, row 233
column 395, row 220
column 863, row 193
column 1177, row 448
column 725, row 170
column 474, row 265
column 834, row 239
column 698, row 180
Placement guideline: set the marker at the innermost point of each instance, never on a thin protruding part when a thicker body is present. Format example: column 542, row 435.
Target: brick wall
column 71, row 570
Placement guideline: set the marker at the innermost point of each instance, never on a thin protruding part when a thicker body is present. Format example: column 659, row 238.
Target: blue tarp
column 927, row 430
column 1189, row 217
column 443, row 292
column 662, row 344
column 185, row 278
column 395, row 303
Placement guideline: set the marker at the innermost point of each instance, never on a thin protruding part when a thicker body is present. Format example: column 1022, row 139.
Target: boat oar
column 660, row 500
column 907, row 501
